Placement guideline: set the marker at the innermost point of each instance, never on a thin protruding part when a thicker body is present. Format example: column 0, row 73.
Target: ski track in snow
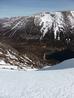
column 51, row 83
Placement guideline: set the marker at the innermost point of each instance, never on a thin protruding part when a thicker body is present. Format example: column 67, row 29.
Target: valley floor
column 50, row 82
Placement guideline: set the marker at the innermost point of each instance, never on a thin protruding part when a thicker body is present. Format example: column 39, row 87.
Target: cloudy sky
column 10, row 8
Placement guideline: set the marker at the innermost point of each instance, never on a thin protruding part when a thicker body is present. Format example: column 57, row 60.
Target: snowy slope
column 55, row 82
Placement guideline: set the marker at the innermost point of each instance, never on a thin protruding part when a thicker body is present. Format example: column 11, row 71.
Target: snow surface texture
column 51, row 82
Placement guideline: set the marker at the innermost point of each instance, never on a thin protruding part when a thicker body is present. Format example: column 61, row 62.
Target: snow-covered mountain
column 40, row 34
column 59, row 22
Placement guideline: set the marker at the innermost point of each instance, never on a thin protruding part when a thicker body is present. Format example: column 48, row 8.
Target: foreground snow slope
column 55, row 82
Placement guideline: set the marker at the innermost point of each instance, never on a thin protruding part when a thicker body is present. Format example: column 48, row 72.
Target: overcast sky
column 10, row 8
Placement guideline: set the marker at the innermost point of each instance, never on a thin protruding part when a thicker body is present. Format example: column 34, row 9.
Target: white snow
column 71, row 18
column 8, row 66
column 10, row 21
column 4, row 65
column 2, row 62
column 58, row 23
column 12, row 56
column 6, row 24
column 51, row 82
column 46, row 21
column 16, row 25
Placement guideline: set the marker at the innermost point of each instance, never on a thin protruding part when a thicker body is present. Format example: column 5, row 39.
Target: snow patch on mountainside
column 9, row 21
column 2, row 62
column 46, row 23
column 71, row 18
column 58, row 24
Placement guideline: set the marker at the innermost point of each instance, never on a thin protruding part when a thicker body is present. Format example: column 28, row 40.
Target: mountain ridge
column 45, row 21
